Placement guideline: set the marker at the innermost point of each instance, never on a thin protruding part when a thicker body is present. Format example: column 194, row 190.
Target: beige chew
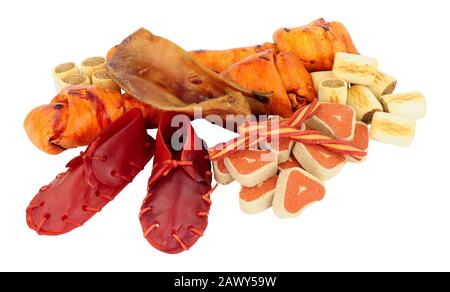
column 355, row 69
column 93, row 64
column 318, row 77
column 364, row 102
column 384, row 84
column 78, row 79
column 333, row 90
column 392, row 129
column 412, row 105
column 103, row 79
column 62, row 71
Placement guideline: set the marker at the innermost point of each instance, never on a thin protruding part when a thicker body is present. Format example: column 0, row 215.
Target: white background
column 390, row 213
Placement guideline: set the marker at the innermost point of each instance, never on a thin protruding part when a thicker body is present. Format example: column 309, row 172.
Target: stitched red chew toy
column 175, row 212
column 94, row 178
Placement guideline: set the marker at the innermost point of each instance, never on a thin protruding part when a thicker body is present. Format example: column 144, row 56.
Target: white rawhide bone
column 333, row 90
column 103, row 79
column 78, row 79
column 384, row 84
column 93, row 64
column 392, row 129
column 412, row 104
column 355, row 69
column 318, row 77
column 364, row 102
column 62, row 71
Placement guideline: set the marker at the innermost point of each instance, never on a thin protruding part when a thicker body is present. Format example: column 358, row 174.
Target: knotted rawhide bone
column 94, row 178
column 254, row 134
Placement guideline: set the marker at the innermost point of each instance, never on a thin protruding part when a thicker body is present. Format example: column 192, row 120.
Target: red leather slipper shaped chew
column 94, row 178
column 175, row 212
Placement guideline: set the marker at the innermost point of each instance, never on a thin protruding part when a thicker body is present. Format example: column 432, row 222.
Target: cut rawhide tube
column 290, row 163
column 412, row 105
column 318, row 77
column 62, row 71
column 384, row 84
column 333, row 90
column 392, row 129
column 364, row 102
column 221, row 173
column 360, row 140
column 93, row 64
column 318, row 161
column 336, row 120
column 296, row 189
column 257, row 199
column 252, row 167
column 355, row 69
column 103, row 79
column 78, row 79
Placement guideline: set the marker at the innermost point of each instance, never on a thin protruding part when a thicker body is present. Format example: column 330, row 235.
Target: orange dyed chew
column 73, row 118
column 257, row 199
column 318, row 161
column 219, row 60
column 316, row 43
column 221, row 173
column 335, row 120
column 258, row 73
column 252, row 167
column 290, row 163
column 295, row 190
column 295, row 77
column 280, row 147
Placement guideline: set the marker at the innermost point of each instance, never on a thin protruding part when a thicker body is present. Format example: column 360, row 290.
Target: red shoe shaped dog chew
column 94, row 178
column 175, row 212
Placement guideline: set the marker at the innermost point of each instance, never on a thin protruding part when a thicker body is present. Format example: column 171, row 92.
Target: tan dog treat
column 93, row 64
column 103, row 79
column 296, row 189
column 62, row 71
column 290, row 163
column 355, row 69
column 221, row 173
column 336, row 120
column 333, row 90
column 384, row 84
column 412, row 104
column 257, row 199
column 78, row 79
column 318, row 161
column 252, row 167
column 280, row 147
column 392, row 129
column 318, row 77
column 360, row 140
column 364, row 102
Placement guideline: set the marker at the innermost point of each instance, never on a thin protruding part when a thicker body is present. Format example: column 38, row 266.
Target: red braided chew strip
column 253, row 133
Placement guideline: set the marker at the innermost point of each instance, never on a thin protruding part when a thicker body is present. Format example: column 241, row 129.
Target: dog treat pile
column 288, row 176
column 319, row 100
